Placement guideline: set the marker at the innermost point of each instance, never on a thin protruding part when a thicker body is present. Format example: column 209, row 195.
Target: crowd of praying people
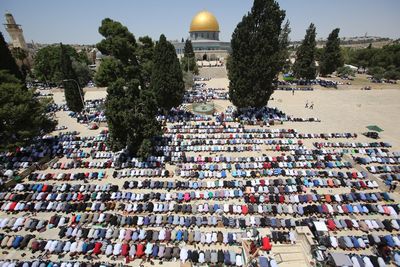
column 210, row 179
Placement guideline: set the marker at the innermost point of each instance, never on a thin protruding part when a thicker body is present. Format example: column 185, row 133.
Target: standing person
column 306, row 104
column 312, row 105
column 292, row 91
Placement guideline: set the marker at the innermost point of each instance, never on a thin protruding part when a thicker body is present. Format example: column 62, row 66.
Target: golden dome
column 204, row 21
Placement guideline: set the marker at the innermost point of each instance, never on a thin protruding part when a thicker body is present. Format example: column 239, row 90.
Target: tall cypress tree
column 256, row 58
column 188, row 50
column 115, row 109
column 141, row 121
column 145, row 52
column 188, row 61
column 284, row 43
column 72, row 91
column 166, row 79
column 7, row 61
column 332, row 57
column 131, row 116
column 305, row 67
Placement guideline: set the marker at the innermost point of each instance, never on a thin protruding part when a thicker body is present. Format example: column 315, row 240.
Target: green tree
column 118, row 41
column 377, row 72
column 141, row 121
column 188, row 79
column 22, row 116
column 130, row 106
column 48, row 68
column 189, row 64
column 145, row 53
column 109, row 71
column 188, row 61
column 7, row 62
column 188, row 49
column 131, row 118
column 116, row 108
column 120, row 44
column 83, row 57
column 166, row 79
column 83, row 73
column 345, row 71
column 318, row 53
column 73, row 92
column 392, row 73
column 381, row 62
column 257, row 55
column 305, row 66
column 284, row 44
column 21, row 57
column 347, row 53
column 332, row 58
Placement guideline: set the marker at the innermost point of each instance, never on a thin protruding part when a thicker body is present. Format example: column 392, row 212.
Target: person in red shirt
column 97, row 248
column 245, row 209
column 266, row 244
column 124, row 249
column 140, row 250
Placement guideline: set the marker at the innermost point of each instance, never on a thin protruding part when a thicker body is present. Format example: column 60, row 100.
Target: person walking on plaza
column 306, row 104
column 312, row 105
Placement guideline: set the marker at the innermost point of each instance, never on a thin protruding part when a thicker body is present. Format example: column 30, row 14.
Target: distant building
column 95, row 58
column 204, row 34
column 15, row 32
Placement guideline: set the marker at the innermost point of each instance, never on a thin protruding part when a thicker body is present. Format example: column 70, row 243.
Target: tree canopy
column 48, row 67
column 345, row 71
column 305, row 67
column 131, row 118
column 259, row 45
column 130, row 106
column 7, row 61
column 331, row 58
column 20, row 55
column 120, row 45
column 284, row 44
column 376, row 59
column 188, row 49
column 145, row 53
column 22, row 116
column 109, row 71
column 118, row 41
column 73, row 92
column 166, row 78
column 188, row 61
column 377, row 72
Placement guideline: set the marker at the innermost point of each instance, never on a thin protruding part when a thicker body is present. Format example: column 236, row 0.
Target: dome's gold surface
column 204, row 21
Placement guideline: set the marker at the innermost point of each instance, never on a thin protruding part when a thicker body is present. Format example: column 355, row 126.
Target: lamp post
column 79, row 88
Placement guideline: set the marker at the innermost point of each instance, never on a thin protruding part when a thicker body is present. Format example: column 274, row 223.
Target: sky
column 77, row 21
